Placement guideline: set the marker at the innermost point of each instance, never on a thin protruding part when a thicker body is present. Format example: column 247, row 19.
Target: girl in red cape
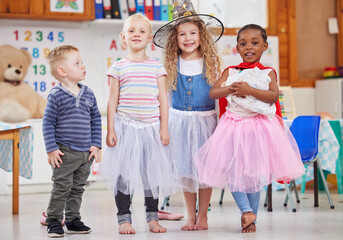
column 248, row 149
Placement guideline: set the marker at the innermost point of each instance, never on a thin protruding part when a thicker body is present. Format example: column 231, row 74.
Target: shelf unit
column 287, row 102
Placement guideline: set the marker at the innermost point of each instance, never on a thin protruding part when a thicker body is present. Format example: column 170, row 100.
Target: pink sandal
column 43, row 220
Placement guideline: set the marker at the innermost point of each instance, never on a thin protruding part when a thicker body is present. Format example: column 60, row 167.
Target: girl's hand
column 240, row 89
column 94, row 152
column 228, row 88
column 111, row 139
column 164, row 137
column 54, row 158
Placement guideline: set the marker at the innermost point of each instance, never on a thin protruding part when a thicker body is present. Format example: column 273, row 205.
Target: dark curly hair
column 253, row 26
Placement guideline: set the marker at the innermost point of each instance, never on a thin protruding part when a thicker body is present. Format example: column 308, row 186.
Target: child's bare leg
column 126, row 228
column 247, row 218
column 190, row 200
column 250, row 228
column 204, row 201
column 155, row 227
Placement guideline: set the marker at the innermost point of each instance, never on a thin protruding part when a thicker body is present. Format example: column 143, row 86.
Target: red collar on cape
column 245, row 65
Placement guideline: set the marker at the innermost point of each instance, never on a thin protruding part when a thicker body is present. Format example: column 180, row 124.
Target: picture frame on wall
column 71, row 6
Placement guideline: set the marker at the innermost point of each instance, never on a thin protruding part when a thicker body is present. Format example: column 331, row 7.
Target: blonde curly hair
column 207, row 49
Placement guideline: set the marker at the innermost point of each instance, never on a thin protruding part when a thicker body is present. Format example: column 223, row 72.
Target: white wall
column 304, row 99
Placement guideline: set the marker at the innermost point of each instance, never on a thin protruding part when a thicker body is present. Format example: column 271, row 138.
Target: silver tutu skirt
column 139, row 160
column 189, row 130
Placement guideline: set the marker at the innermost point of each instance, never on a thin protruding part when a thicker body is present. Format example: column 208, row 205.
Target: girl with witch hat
column 193, row 65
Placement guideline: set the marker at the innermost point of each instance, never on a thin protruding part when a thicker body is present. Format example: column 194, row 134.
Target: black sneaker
column 55, row 229
column 77, row 227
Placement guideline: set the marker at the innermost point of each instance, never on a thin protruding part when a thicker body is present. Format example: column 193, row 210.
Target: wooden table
column 13, row 134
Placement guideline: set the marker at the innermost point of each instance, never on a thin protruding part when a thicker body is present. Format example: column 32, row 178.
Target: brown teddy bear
column 18, row 101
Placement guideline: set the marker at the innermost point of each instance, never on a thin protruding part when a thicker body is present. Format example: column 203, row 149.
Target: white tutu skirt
column 189, row 130
column 138, row 159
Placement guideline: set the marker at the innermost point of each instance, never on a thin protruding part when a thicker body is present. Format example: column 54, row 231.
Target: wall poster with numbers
column 38, row 41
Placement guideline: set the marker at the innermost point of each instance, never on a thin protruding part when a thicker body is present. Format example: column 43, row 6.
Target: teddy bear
column 18, row 100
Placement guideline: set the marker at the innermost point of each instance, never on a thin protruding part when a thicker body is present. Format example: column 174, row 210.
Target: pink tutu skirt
column 245, row 154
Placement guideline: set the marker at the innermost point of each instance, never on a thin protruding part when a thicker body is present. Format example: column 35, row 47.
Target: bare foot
column 126, row 228
column 201, row 224
column 249, row 229
column 247, row 218
column 189, row 226
column 155, row 227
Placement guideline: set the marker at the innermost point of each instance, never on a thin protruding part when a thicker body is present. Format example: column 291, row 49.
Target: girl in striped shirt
column 137, row 127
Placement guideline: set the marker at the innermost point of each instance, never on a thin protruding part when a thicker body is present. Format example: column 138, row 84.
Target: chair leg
column 221, row 197
column 325, row 184
column 266, row 199
column 315, row 183
column 270, row 207
column 165, row 202
column 289, row 196
column 288, row 188
column 197, row 205
column 296, row 191
column 303, row 180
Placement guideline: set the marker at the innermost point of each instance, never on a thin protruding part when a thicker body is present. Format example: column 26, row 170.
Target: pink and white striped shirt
column 138, row 91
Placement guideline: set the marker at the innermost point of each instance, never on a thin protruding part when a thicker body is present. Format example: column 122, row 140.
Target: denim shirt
column 192, row 93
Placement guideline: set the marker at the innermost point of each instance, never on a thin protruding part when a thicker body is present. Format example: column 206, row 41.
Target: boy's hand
column 54, row 158
column 111, row 139
column 95, row 152
column 164, row 137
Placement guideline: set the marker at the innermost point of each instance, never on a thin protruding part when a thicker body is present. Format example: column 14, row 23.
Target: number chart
column 38, row 41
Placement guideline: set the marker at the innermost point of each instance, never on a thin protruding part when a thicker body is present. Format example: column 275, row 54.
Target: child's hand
column 164, row 137
column 54, row 158
column 111, row 139
column 95, row 152
column 229, row 90
column 240, row 89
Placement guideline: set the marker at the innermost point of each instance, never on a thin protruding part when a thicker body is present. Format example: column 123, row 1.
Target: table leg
column 315, row 183
column 15, row 171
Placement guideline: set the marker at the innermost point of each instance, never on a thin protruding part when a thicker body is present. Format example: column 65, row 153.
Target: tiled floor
column 98, row 211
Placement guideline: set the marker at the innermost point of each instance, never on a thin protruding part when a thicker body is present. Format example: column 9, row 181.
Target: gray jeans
column 68, row 182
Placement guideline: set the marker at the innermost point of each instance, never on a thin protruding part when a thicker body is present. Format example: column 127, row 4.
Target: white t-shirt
column 191, row 68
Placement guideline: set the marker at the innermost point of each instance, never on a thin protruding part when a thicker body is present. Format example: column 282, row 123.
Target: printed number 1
column 16, row 35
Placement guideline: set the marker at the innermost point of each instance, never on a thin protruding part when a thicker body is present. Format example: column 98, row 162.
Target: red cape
column 245, row 65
